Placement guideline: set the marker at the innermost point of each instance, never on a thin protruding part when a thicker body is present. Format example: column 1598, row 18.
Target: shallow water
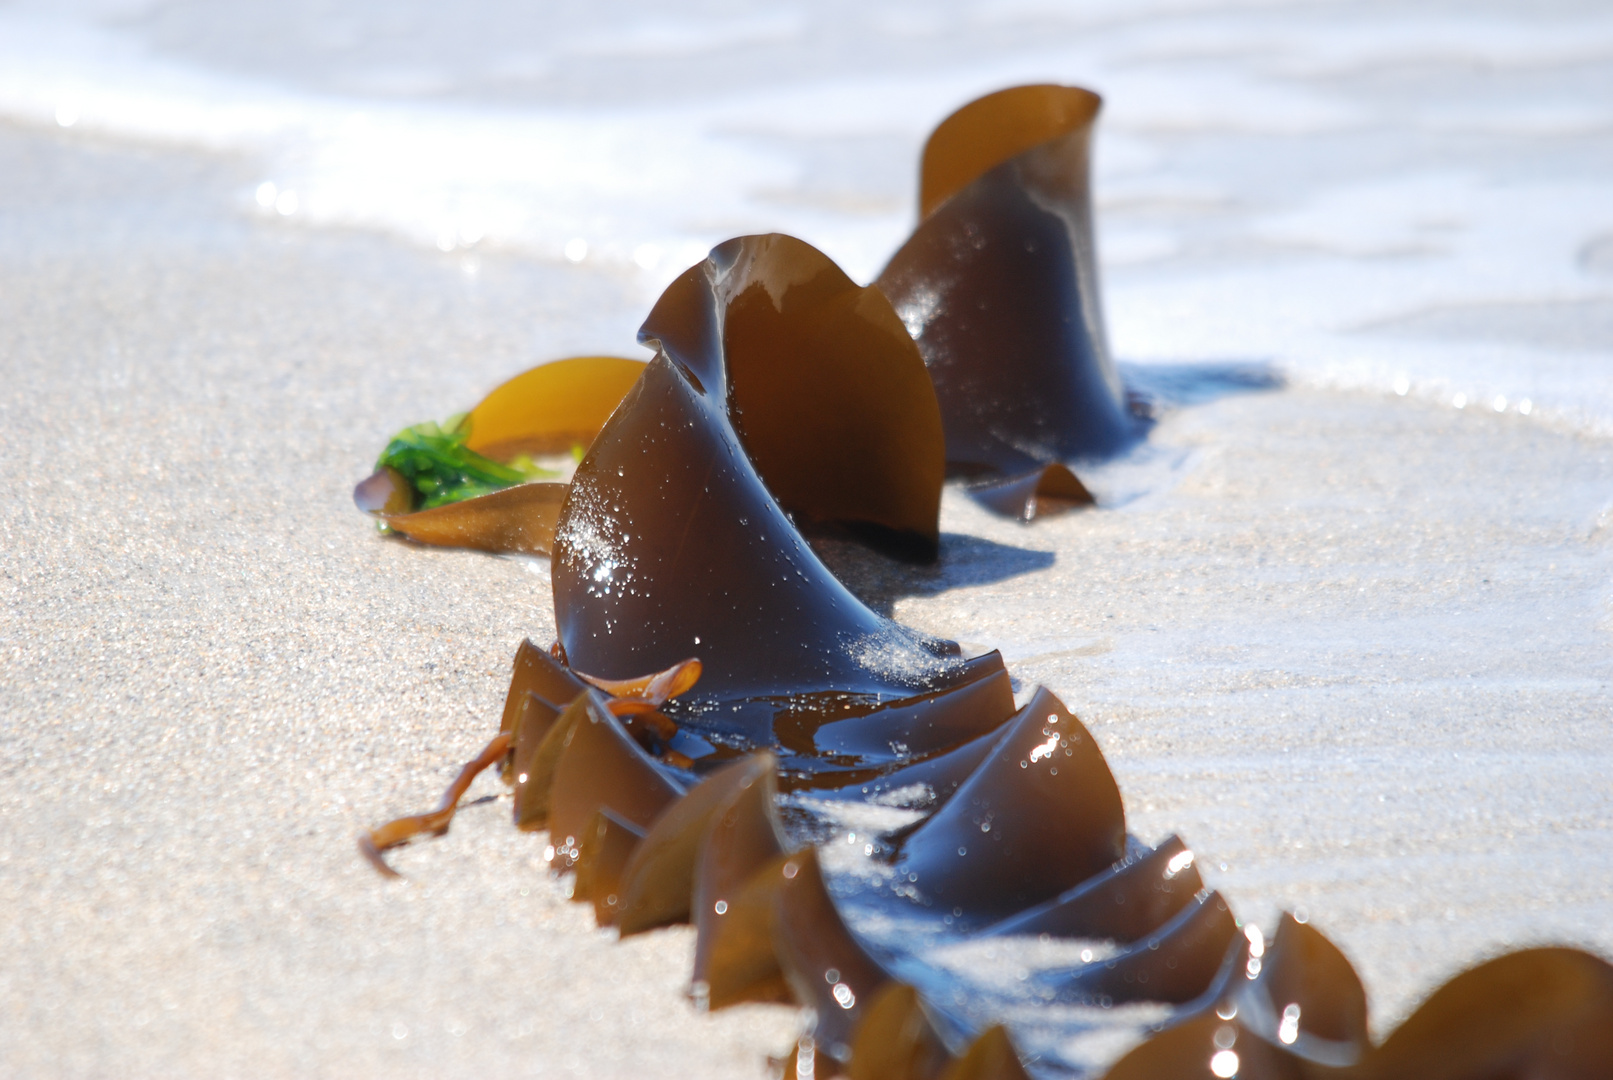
column 1399, row 197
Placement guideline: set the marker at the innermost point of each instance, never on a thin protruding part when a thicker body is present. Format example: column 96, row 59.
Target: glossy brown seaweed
column 671, row 540
column 999, row 286
column 783, row 396
column 743, row 849
column 1040, row 813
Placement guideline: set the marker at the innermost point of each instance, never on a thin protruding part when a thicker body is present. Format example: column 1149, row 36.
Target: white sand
column 1360, row 650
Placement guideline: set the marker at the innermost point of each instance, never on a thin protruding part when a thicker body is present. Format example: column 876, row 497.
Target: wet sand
column 1357, row 649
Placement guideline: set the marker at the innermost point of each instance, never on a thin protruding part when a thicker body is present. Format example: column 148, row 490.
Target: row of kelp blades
column 651, row 846
column 621, row 600
column 980, row 352
column 1188, row 944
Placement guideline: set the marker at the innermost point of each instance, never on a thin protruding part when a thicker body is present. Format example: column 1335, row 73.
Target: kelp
column 1040, row 813
column 1299, row 1013
column 742, row 851
column 897, row 1039
column 518, row 520
column 999, row 286
column 785, row 399
column 607, row 843
column 602, row 767
column 671, row 540
column 1137, row 894
column 660, row 876
column 555, row 408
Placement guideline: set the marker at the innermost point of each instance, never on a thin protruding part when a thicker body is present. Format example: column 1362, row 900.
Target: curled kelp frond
column 1040, row 813
column 602, row 767
column 1305, row 995
column 1175, row 964
column 554, row 408
column 473, row 482
column 1134, row 897
column 828, row 969
column 905, row 729
column 672, row 541
column 820, row 382
column 603, row 850
column 999, row 286
column 897, row 1039
column 990, row 1057
column 1294, row 1008
column 742, row 850
column 647, row 692
column 1536, row 1013
column 658, row 880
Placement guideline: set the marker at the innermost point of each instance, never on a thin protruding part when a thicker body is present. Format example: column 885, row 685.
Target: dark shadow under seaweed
column 879, row 581
column 1153, row 388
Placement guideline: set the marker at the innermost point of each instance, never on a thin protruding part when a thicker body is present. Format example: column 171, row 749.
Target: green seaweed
column 436, row 463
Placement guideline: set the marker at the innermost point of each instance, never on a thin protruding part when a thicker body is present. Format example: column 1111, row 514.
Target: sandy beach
column 1355, row 646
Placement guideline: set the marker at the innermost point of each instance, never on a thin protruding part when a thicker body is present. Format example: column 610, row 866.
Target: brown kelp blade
column 998, row 285
column 1207, row 1047
column 1175, row 964
column 672, row 542
column 906, row 728
column 737, row 961
column 534, row 784
column 658, row 882
column 1543, row 1014
column 828, row 393
column 990, row 1057
column 1038, row 815
column 896, row 1039
column 1306, row 998
column 1137, row 895
column 536, row 671
column 552, row 408
column 533, row 719
column 1539, row 1014
column 730, row 901
column 606, row 845
column 828, row 969
column 517, row 520
column 918, row 785
column 1040, row 493
column 602, row 767
column 995, row 129
column 647, row 692
column 400, row 831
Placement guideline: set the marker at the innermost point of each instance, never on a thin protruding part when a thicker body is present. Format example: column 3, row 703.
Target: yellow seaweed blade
column 519, row 520
column 990, row 1057
column 990, row 130
column 552, row 407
